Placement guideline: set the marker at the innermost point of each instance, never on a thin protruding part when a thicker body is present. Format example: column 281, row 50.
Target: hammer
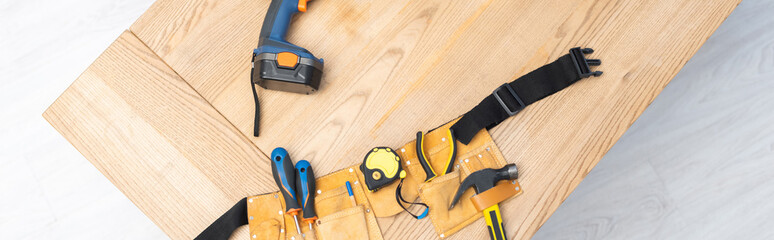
column 483, row 180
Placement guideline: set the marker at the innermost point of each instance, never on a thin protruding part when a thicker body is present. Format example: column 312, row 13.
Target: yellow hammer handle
column 494, row 221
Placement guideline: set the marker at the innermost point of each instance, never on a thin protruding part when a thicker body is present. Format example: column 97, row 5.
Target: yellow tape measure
column 381, row 166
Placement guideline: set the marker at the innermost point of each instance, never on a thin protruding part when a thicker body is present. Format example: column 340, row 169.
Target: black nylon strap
column 525, row 90
column 257, row 106
column 226, row 223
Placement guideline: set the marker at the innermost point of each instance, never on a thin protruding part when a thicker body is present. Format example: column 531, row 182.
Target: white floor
column 47, row 189
column 698, row 164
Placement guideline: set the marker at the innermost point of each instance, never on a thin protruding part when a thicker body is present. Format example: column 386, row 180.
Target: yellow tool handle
column 422, row 158
column 426, row 163
column 494, row 221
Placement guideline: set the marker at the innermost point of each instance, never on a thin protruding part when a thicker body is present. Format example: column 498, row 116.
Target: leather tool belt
column 339, row 218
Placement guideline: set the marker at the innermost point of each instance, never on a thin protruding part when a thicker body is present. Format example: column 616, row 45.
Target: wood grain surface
column 393, row 67
column 157, row 140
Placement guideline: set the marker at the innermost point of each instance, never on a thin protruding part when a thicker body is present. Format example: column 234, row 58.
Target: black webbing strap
column 510, row 98
column 226, row 223
column 257, row 106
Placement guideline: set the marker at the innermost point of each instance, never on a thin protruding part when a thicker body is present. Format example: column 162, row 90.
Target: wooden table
column 166, row 112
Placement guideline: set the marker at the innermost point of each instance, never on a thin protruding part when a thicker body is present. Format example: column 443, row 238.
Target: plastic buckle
column 502, row 103
column 582, row 64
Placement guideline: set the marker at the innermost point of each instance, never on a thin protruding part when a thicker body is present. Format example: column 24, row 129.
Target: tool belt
column 340, row 219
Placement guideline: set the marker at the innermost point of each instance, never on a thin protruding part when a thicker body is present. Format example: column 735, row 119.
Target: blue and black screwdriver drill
column 278, row 64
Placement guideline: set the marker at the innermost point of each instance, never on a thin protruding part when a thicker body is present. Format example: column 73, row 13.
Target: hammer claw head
column 484, row 179
column 468, row 182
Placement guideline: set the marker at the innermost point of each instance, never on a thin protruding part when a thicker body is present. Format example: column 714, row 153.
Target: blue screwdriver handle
column 306, row 187
column 284, row 175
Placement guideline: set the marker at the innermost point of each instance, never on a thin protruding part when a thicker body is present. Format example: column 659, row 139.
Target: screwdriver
column 305, row 186
column 284, row 176
column 351, row 195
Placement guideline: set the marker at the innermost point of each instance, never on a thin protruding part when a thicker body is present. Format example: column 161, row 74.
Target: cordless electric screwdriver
column 278, row 64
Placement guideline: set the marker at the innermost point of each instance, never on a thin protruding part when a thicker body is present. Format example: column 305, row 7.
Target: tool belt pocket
column 332, row 201
column 481, row 153
column 349, row 223
column 438, row 195
column 339, row 216
column 265, row 217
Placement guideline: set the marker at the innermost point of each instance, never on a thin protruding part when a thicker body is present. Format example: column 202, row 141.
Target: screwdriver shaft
column 295, row 218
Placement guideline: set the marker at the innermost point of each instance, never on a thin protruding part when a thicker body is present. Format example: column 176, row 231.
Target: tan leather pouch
column 336, row 211
column 265, row 216
column 349, row 223
column 480, row 153
column 338, row 218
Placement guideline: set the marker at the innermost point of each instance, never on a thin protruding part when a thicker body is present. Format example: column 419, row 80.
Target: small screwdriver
column 305, row 186
column 284, row 176
column 351, row 195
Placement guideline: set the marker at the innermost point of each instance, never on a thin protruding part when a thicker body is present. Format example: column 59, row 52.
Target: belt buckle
column 502, row 103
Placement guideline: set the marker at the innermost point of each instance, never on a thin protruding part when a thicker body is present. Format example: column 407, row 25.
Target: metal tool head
column 485, row 179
